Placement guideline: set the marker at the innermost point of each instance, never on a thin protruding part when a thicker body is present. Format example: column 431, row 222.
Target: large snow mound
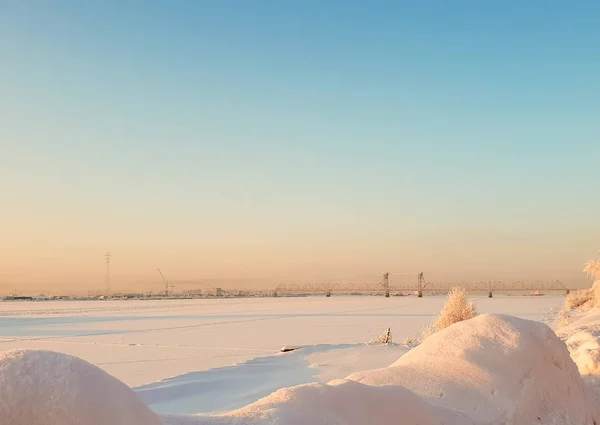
column 495, row 369
column 47, row 388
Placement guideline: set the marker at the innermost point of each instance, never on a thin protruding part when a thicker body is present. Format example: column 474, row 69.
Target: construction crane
column 166, row 283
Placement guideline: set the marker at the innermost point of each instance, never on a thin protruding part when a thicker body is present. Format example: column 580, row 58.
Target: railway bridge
column 418, row 285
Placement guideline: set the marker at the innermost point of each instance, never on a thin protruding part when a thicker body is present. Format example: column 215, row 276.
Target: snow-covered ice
column 141, row 342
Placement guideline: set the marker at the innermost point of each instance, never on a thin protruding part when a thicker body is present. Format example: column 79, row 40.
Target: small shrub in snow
column 410, row 341
column 456, row 309
column 386, row 337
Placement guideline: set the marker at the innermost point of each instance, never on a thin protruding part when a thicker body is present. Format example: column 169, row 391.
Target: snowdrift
column 339, row 402
column 488, row 370
column 495, row 369
column 47, row 388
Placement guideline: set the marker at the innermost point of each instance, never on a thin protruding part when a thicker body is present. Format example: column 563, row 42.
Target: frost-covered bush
column 456, row 309
column 592, row 268
column 582, row 298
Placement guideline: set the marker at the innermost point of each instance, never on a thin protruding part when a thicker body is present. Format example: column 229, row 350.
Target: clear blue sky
column 279, row 140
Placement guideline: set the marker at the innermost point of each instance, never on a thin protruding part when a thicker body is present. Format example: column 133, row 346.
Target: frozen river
column 196, row 343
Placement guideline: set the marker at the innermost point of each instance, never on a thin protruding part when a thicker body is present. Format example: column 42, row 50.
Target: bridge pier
column 386, row 284
column 421, row 283
column 490, row 295
column 328, row 294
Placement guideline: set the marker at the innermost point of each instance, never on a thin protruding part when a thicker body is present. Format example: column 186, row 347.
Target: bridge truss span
column 415, row 283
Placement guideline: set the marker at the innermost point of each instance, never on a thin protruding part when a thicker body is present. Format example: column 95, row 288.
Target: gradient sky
column 270, row 141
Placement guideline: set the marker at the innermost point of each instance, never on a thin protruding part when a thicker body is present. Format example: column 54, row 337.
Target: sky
column 259, row 142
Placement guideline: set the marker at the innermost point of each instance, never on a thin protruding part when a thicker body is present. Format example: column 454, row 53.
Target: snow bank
column 580, row 325
column 585, row 352
column 495, row 369
column 583, row 341
column 47, row 388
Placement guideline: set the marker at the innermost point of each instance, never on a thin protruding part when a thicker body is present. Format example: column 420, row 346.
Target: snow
column 333, row 364
column 492, row 369
column 582, row 340
column 201, row 356
column 233, row 387
column 585, row 351
column 46, row 388
column 339, row 402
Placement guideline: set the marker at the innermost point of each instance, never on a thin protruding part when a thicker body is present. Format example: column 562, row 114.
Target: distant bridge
column 419, row 286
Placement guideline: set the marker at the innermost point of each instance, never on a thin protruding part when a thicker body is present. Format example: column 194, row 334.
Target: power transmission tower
column 107, row 259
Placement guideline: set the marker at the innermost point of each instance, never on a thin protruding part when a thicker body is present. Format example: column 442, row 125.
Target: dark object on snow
column 288, row 349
